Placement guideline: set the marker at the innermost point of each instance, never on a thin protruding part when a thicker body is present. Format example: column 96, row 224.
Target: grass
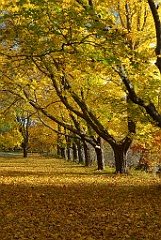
column 46, row 198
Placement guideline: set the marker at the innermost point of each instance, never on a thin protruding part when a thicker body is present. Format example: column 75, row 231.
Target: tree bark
column 59, row 142
column 25, row 122
column 99, row 154
column 80, row 152
column 68, row 144
column 25, row 143
column 69, row 153
column 120, row 155
column 88, row 154
column 154, row 9
column 75, row 152
column 58, row 150
column 24, row 146
column 63, row 152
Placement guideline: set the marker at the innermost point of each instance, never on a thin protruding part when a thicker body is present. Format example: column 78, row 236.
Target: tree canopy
column 86, row 61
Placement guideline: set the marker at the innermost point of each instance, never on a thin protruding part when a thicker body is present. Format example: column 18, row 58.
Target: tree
column 76, row 56
column 10, row 137
column 45, row 63
column 81, row 138
column 25, row 123
column 150, row 106
column 149, row 150
column 42, row 139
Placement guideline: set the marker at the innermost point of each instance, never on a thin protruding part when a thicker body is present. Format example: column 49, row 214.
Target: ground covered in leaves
column 42, row 198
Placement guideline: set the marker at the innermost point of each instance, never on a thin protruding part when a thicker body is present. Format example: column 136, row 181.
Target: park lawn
column 46, row 198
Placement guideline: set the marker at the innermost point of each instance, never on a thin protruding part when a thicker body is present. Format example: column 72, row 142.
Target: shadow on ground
column 80, row 211
column 51, row 199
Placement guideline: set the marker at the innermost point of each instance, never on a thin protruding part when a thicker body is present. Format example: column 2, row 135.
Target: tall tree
column 25, row 123
column 149, row 105
column 79, row 49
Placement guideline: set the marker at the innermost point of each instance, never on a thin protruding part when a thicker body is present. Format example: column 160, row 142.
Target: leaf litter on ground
column 46, row 198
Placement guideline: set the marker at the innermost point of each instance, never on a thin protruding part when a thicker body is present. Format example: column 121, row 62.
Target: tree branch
column 150, row 108
column 157, row 22
column 56, row 131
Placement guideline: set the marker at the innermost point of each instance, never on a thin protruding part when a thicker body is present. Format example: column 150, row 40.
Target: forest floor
column 45, row 198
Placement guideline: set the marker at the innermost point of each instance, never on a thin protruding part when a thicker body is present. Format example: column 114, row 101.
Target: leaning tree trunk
column 99, row 153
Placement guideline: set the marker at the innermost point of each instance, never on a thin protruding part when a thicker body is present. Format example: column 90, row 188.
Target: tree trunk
column 69, row 153
column 75, row 153
column 88, row 154
column 24, row 152
column 68, row 144
column 58, row 150
column 120, row 158
column 120, row 149
column 80, row 152
column 99, row 153
column 63, row 152
column 25, row 122
column 59, row 153
column 24, row 147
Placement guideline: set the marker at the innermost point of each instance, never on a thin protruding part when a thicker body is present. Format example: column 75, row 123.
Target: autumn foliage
column 150, row 151
column 44, row 198
column 86, row 66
